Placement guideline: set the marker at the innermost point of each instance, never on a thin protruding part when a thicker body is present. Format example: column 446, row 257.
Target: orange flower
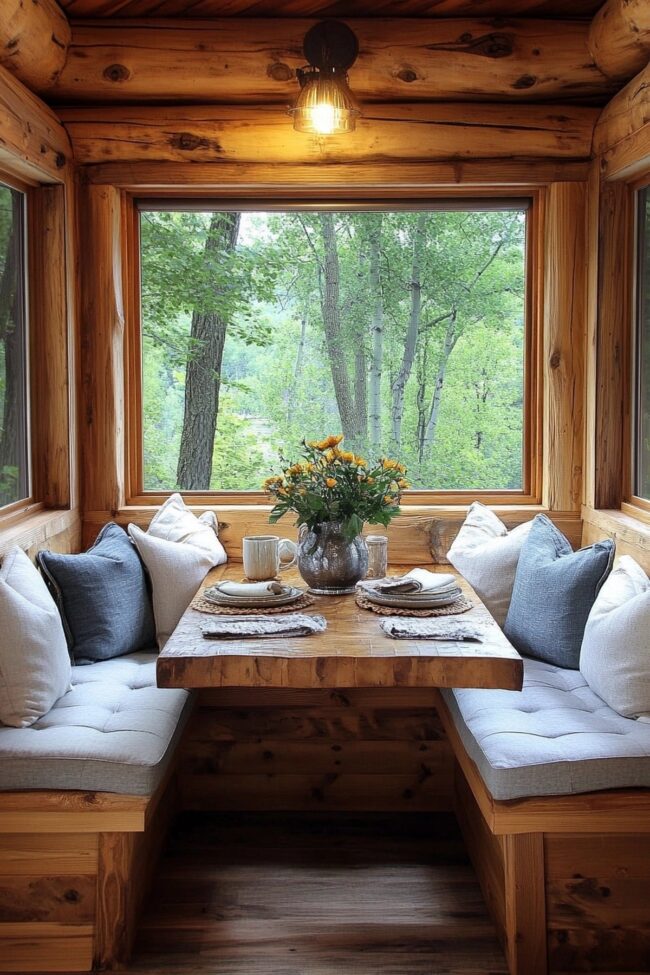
column 331, row 482
column 331, row 441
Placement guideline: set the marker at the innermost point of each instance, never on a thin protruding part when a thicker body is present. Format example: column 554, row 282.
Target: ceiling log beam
column 386, row 133
column 622, row 132
column 239, row 61
column 34, row 39
column 619, row 38
column 33, row 142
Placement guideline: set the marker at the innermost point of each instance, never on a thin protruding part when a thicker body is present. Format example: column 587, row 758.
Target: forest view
column 404, row 331
column 14, row 466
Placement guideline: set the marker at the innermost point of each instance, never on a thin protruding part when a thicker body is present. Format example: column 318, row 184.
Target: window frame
column 411, row 199
column 9, row 512
column 633, row 504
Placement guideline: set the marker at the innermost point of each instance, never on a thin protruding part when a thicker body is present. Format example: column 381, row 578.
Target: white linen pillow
column 176, row 523
column 486, row 553
column 35, row 668
column 177, row 570
column 615, row 652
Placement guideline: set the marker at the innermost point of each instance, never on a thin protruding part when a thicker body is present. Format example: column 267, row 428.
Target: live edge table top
column 352, row 652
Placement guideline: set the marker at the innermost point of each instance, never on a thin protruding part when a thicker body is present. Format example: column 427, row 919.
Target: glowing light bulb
column 324, row 118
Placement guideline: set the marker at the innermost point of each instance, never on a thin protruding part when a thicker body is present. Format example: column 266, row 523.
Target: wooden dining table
column 353, row 651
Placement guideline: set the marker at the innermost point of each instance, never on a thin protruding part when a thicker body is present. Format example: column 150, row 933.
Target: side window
column 14, row 432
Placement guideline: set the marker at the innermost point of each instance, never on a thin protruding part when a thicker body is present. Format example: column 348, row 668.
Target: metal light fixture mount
column 325, row 105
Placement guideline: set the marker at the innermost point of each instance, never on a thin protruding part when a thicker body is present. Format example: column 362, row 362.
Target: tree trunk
column 330, row 304
column 297, row 369
column 203, row 374
column 13, row 435
column 377, row 332
column 399, row 386
column 434, row 413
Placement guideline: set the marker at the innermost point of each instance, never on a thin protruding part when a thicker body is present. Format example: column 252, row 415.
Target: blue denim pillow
column 102, row 596
column 554, row 591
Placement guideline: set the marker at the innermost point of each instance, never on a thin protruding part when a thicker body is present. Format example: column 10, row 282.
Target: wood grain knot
column 279, row 71
column 493, row 45
column 526, row 81
column 59, row 160
column 555, row 360
column 408, row 75
column 188, row 141
column 117, row 72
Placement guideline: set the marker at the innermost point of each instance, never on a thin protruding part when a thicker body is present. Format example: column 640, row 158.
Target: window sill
column 37, row 526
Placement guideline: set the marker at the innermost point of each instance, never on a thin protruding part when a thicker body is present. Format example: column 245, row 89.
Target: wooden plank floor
column 316, row 894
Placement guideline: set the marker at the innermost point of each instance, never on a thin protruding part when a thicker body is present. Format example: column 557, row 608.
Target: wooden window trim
column 531, row 492
column 632, row 504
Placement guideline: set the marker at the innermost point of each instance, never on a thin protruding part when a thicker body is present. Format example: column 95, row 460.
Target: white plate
column 273, row 599
column 409, row 601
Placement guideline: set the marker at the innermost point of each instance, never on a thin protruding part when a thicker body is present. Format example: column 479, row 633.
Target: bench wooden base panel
column 363, row 749
column 562, row 902
column 69, row 901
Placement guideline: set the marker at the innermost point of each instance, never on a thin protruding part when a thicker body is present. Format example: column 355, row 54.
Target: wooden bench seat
column 566, row 878
column 74, row 869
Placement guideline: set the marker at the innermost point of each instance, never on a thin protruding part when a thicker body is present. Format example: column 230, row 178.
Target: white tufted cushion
column 555, row 737
column 114, row 731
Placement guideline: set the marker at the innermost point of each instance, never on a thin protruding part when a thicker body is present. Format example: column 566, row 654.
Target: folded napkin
column 406, row 628
column 240, row 627
column 415, row 581
column 251, row 588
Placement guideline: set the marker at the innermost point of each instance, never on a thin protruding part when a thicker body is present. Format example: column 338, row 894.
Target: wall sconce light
column 325, row 105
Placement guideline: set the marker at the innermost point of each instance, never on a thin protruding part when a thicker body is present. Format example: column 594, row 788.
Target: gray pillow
column 102, row 596
column 553, row 593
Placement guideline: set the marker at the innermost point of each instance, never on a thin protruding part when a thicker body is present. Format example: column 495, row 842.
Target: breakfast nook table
column 352, row 652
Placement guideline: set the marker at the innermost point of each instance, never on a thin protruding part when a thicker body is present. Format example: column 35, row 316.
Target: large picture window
column 405, row 330
column 14, row 442
column 641, row 474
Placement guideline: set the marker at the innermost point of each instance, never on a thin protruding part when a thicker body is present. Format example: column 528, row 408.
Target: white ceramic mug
column 266, row 555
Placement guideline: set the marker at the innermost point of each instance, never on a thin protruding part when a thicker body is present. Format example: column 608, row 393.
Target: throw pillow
column 35, row 665
column 553, row 593
column 102, row 596
column 176, row 570
column 486, row 554
column 176, row 523
column 615, row 655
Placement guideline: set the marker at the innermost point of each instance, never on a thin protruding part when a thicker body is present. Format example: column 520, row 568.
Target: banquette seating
column 552, row 795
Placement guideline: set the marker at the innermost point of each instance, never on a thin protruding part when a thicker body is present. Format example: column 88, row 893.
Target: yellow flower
column 331, row 455
column 388, row 499
column 401, row 468
column 389, row 465
column 295, row 469
column 360, row 462
column 371, row 480
column 331, row 482
column 347, row 456
column 331, row 441
column 271, row 483
column 403, row 484
column 282, row 491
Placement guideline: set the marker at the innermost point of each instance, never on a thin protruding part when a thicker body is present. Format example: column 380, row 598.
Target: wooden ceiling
column 327, row 8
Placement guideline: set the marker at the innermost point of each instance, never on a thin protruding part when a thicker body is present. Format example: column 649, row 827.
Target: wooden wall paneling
column 49, row 358
column 58, row 531
column 565, row 269
column 33, row 143
column 622, row 132
column 632, row 536
column 45, row 946
column 102, row 351
column 392, row 131
column 597, row 895
column 399, row 60
column 615, row 266
column 294, row 750
column 619, row 38
column 418, row 535
column 34, row 40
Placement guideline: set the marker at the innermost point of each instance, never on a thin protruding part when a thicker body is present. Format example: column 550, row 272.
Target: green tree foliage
column 403, row 329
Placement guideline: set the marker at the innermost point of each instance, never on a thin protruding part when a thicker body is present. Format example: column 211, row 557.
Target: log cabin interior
column 232, row 230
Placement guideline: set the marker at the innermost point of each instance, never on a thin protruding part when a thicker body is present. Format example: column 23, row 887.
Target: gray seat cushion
column 114, row 731
column 555, row 737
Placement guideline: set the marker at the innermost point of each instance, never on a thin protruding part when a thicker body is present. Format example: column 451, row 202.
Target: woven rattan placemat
column 205, row 606
column 460, row 605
